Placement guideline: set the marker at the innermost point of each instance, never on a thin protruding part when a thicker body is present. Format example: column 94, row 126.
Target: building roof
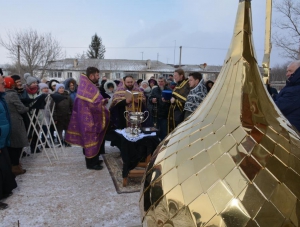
column 208, row 68
column 121, row 65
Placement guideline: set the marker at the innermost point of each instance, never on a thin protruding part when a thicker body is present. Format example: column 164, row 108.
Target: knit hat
column 58, row 86
column 144, row 82
column 9, row 82
column 29, row 79
column 16, row 77
column 42, row 86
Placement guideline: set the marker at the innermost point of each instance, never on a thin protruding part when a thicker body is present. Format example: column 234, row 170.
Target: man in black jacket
column 160, row 107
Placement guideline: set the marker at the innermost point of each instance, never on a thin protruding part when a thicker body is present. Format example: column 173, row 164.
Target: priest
column 89, row 120
column 128, row 96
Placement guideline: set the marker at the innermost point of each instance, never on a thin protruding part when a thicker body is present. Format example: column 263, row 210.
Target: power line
column 161, row 47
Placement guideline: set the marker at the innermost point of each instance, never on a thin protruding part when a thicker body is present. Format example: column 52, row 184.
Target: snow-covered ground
column 67, row 194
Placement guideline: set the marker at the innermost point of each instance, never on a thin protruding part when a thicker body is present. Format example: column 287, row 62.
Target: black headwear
column 16, row 77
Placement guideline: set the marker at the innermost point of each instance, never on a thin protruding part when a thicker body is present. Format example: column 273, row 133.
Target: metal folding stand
column 36, row 125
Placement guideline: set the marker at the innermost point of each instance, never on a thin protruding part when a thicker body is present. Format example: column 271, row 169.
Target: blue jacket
column 4, row 122
column 288, row 99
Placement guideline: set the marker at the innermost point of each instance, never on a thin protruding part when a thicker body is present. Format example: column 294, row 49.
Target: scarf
column 195, row 97
column 33, row 90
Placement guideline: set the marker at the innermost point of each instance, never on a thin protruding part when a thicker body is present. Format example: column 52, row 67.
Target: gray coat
column 18, row 135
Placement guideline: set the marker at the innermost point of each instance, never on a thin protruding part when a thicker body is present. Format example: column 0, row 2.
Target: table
column 134, row 154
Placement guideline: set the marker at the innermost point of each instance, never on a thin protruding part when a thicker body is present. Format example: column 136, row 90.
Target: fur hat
column 29, row 79
column 58, row 86
column 16, row 77
column 42, row 86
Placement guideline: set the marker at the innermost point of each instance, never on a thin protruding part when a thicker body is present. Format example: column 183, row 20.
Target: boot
column 18, row 170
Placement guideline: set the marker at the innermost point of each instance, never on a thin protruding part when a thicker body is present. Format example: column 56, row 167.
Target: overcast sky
column 132, row 29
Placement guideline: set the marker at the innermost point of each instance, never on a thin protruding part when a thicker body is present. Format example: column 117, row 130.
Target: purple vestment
column 90, row 118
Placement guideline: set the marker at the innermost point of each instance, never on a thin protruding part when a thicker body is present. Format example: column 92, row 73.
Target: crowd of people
column 89, row 111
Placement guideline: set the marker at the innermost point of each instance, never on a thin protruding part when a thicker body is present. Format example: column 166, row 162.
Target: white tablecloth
column 136, row 138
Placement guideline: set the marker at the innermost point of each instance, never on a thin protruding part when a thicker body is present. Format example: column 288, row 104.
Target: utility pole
column 157, row 56
column 142, row 55
column 19, row 60
column 174, row 51
column 180, row 50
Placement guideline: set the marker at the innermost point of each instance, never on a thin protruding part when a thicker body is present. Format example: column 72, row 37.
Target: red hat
column 9, row 82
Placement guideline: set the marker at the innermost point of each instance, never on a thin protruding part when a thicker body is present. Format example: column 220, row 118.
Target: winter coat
column 45, row 114
column 18, row 136
column 288, row 99
column 50, row 85
column 23, row 95
column 162, row 107
column 4, row 122
column 63, row 111
column 108, row 92
column 67, row 88
column 195, row 97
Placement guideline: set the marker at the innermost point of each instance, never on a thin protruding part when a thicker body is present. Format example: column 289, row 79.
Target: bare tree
column 35, row 50
column 80, row 56
column 288, row 38
column 278, row 72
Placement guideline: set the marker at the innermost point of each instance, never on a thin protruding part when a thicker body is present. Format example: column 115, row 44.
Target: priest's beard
column 129, row 87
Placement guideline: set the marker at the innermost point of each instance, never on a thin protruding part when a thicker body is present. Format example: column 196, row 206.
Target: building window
column 118, row 75
column 59, row 75
column 107, row 75
column 69, row 75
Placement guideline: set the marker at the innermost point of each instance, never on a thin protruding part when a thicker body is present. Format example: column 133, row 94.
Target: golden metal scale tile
column 202, row 209
column 252, row 200
column 200, row 161
column 294, row 163
column 189, row 153
column 175, row 200
column 282, row 155
column 292, row 181
column 239, row 134
column 219, row 202
column 185, row 170
column 269, row 216
column 284, row 200
column 236, row 155
column 208, row 177
column 216, row 221
column 277, row 168
column 192, row 182
column 295, row 216
column 235, row 161
column 266, row 183
column 224, row 165
column 261, row 155
column 237, row 181
column 235, row 214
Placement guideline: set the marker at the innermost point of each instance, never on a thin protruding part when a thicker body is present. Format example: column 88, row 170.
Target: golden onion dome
column 235, row 161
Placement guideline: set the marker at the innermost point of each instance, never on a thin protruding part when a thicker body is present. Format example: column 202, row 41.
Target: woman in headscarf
column 110, row 87
column 7, row 178
column 18, row 135
column 32, row 90
column 71, row 87
column 62, row 110
column 209, row 84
